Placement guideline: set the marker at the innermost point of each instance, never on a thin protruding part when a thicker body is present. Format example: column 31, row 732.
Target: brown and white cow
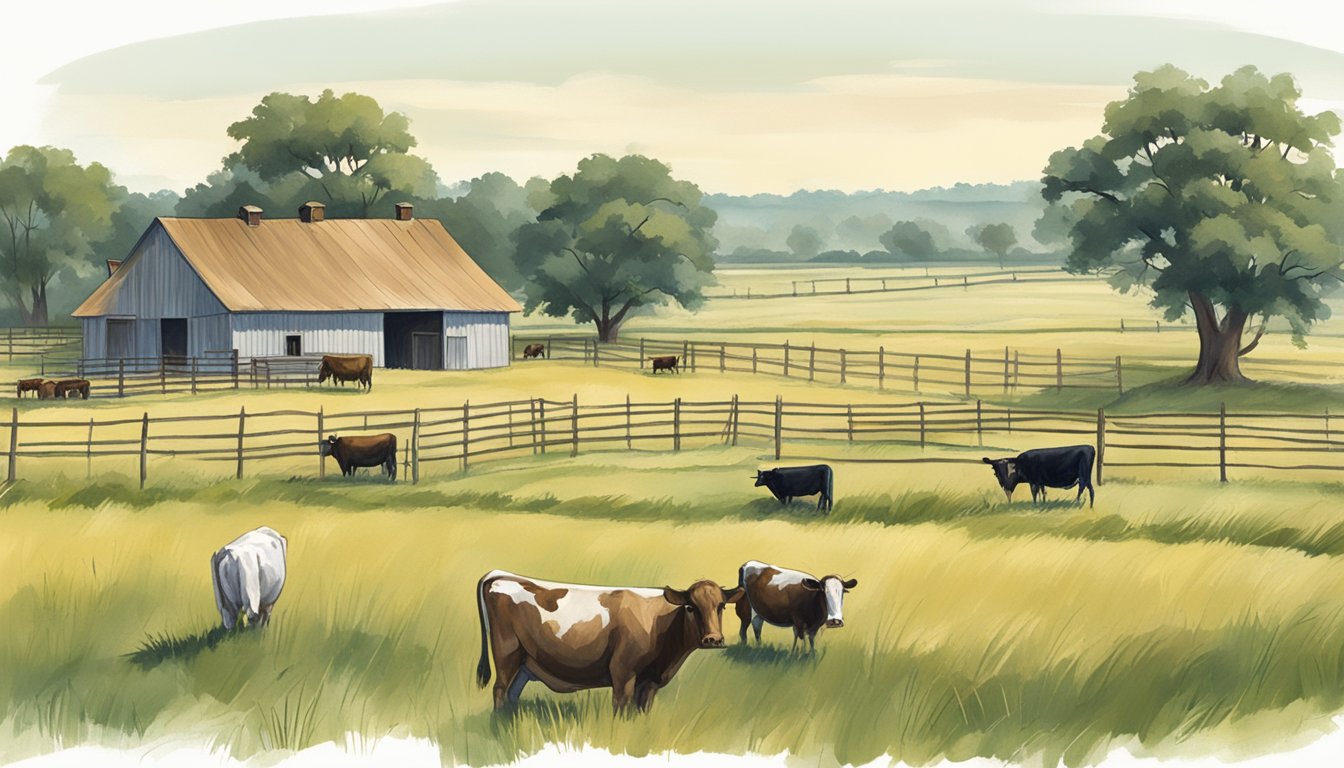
column 28, row 385
column 573, row 637
column 343, row 368
column 534, row 350
column 786, row 598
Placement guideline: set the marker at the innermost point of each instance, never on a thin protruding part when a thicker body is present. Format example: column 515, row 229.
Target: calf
column 363, row 451
column 787, row 482
column 573, row 637
column 248, row 575
column 665, row 363
column 46, row 390
column 77, row 387
column 1043, row 468
column 785, row 598
column 534, row 350
column 28, row 385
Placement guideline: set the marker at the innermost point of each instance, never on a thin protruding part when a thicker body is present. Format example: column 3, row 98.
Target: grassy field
column 1174, row 617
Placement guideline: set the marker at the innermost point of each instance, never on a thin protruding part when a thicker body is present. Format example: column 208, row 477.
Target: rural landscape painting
column 508, row 382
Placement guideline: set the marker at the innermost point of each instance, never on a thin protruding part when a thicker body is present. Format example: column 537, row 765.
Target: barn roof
column 287, row 265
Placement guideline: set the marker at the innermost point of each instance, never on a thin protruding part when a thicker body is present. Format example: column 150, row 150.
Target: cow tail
column 483, row 666
column 830, row 488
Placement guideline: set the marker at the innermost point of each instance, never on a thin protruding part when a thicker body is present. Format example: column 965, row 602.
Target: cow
column 573, row 637
column 665, row 363
column 46, row 390
column 534, row 350
column 28, row 385
column 785, row 598
column 77, row 387
column 1042, row 468
column 363, row 451
column 248, row 575
column 787, row 482
column 343, row 368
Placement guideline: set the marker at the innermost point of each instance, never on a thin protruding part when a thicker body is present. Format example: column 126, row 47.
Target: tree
column 910, row 239
column 483, row 221
column 804, row 241
column 1225, row 201
column 997, row 239
column 353, row 151
column 52, row 211
column 616, row 236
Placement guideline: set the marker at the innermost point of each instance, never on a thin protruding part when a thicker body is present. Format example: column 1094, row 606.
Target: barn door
column 426, row 355
column 173, row 341
column 457, row 353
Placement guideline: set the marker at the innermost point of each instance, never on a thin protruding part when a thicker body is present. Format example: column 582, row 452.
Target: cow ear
column 850, row 584
column 812, row 584
column 676, row 596
column 733, row 595
column 987, row 460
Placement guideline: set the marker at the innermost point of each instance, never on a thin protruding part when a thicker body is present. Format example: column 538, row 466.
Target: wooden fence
column 964, row 374
column 432, row 439
column 41, row 342
column 123, row 377
column 841, row 286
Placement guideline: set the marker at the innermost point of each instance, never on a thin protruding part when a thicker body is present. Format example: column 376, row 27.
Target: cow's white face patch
column 835, row 595
column 578, row 605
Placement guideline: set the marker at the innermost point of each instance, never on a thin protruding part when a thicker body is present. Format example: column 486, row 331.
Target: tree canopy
column 1225, row 201
column 614, row 237
column 804, row 242
column 909, row 238
column 997, row 239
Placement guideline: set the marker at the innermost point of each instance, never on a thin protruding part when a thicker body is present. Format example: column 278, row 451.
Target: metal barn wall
column 262, row 334
column 95, row 337
column 160, row 283
column 487, row 335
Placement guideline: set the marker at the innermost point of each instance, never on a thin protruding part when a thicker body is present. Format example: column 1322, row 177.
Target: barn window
column 293, row 346
column 120, row 340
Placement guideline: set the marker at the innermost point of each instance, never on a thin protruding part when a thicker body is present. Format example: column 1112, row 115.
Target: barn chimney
column 251, row 214
column 112, row 265
column 404, row 211
column 312, row 212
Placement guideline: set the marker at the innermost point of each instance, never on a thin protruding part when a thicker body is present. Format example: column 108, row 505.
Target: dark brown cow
column 573, row 637
column 77, row 387
column 28, row 385
column 343, row 368
column 534, row 350
column 786, row 598
column 665, row 363
column 46, row 390
column 363, row 451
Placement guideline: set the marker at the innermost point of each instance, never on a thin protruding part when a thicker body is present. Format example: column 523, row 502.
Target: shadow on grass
column 168, row 647
column 762, row 655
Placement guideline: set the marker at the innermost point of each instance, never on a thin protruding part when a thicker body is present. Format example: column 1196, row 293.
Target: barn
column 400, row 289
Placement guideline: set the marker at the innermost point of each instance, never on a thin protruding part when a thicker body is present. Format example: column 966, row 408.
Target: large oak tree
column 1224, row 200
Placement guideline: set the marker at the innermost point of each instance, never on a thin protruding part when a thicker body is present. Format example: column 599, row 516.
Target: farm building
column 401, row 290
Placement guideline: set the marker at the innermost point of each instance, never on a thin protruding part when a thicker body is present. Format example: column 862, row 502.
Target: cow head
column 763, row 477
column 833, row 590
column 1005, row 471
column 703, row 604
column 323, row 372
column 324, row 447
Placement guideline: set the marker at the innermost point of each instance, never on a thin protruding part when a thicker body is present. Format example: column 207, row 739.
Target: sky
column 740, row 96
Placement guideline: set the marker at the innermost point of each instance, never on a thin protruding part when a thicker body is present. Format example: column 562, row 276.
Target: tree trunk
column 608, row 331
column 1219, row 343
column 38, row 316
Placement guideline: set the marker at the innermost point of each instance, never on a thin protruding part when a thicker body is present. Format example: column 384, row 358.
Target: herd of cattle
column 573, row 637
column 58, row 389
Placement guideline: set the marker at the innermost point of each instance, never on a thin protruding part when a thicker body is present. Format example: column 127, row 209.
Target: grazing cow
column 573, row 637
column 363, row 451
column 77, row 387
column 787, row 482
column 534, row 350
column 784, row 598
column 46, row 390
column 665, row 363
column 28, row 385
column 343, row 368
column 1043, row 468
column 248, row 574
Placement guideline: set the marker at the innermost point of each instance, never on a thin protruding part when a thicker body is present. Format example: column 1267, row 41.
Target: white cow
column 248, row 574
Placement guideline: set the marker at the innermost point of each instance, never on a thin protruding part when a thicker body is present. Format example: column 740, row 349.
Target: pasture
column 1179, row 617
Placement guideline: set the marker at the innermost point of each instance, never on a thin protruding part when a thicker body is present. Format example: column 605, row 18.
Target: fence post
column 88, row 453
column 812, row 363
column 13, row 441
column 194, row 362
column 753, row 358
column 596, row 344
column 1222, row 442
column 235, row 368
column 847, row 285
column 1122, row 325
column 921, row 425
column 629, row 441
column 786, row 358
column 1059, row 370
column 163, row 375
column 735, row 417
column 574, row 425
column 1010, row 420
column 916, row 374
column 881, row 367
column 968, row 373
column 585, row 351
column 242, row 421
column 321, row 436
column 842, row 366
column 1328, row 447
column 541, row 412
column 415, row 447
column 685, row 354
column 676, row 425
column 723, row 354
column 11, row 345
column 979, row 425
column 965, row 283
column 121, row 378
column 1159, row 325
column 1005, row 370
column 849, row 419
column 466, row 435
column 1119, row 376
column 144, row 448
column 1017, row 369
column 795, row 293
column 1101, row 441
column 779, row 425
column 641, row 353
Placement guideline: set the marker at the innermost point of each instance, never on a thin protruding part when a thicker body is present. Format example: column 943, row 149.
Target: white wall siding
column 162, row 284
column 262, row 334
column 487, row 335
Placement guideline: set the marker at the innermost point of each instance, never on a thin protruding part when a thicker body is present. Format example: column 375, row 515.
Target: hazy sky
column 738, row 95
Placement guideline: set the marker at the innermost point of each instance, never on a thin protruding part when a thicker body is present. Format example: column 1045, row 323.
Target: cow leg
column 265, row 614
column 622, row 691
column 508, row 666
column 644, row 693
column 812, row 640
column 743, row 608
column 520, row 682
column 757, row 621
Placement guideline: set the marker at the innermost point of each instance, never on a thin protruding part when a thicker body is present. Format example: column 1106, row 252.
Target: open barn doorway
column 413, row 340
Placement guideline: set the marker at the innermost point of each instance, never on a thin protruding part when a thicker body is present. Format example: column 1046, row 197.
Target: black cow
column 787, row 482
column 1043, row 468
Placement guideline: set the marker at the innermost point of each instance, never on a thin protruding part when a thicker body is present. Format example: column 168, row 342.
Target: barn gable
column 155, row 281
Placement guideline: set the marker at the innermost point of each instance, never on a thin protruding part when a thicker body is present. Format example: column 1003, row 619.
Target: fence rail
column 457, row 436
column 841, row 286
